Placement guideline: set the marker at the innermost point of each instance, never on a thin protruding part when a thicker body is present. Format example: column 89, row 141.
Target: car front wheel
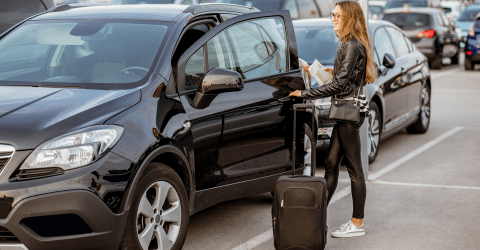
column 158, row 216
column 421, row 125
column 374, row 131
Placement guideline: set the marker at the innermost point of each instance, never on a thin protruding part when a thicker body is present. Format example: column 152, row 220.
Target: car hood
column 30, row 116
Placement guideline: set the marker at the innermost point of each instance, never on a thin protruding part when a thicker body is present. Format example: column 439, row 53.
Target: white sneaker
column 349, row 230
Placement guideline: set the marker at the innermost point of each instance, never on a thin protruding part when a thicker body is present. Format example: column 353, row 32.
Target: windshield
column 469, row 14
column 264, row 5
column 401, row 4
column 316, row 43
column 101, row 54
column 408, row 20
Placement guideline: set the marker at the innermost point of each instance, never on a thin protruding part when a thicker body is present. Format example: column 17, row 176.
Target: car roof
column 146, row 12
column 413, row 10
column 326, row 22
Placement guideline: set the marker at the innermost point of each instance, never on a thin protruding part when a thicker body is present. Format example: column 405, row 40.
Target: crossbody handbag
column 345, row 110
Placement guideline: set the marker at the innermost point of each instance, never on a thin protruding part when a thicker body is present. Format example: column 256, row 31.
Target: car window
column 187, row 2
column 383, row 44
column 194, row 70
column 477, row 23
column 308, row 9
column 399, row 41
column 258, row 48
column 408, row 20
column 293, row 8
column 316, row 43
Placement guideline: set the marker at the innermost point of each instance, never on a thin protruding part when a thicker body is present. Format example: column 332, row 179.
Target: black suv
column 119, row 122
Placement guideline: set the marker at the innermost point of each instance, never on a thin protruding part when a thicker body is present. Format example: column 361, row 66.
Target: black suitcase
column 299, row 210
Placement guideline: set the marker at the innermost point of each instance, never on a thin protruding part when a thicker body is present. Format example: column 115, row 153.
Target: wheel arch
column 376, row 98
column 167, row 154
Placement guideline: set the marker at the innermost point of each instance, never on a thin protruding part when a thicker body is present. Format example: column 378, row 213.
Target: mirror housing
column 388, row 61
column 216, row 81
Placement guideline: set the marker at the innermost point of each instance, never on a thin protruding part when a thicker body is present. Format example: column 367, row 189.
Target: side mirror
column 216, row 81
column 388, row 61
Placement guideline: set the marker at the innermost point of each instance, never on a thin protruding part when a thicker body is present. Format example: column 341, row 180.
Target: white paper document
column 319, row 74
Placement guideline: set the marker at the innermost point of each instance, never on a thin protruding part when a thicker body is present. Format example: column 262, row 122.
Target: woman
column 354, row 66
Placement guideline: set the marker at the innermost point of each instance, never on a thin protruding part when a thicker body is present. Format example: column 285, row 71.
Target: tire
column 308, row 167
column 151, row 217
column 468, row 64
column 423, row 122
column 374, row 131
column 436, row 62
column 454, row 59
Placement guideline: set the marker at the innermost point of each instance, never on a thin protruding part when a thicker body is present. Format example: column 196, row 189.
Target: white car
column 451, row 9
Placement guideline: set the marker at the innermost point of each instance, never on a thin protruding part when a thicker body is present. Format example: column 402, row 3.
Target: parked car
column 187, row 2
column 399, row 98
column 413, row 4
column 14, row 11
column 116, row 124
column 375, row 9
column 299, row 9
column 472, row 45
column 464, row 22
column 451, row 9
column 431, row 32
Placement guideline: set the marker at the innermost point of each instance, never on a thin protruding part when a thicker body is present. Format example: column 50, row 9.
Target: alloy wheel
column 425, row 112
column 373, row 132
column 159, row 216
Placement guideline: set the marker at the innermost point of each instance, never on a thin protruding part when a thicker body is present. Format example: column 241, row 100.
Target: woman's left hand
column 296, row 93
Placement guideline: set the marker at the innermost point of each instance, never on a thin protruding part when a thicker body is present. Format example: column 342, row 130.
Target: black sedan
column 399, row 98
column 430, row 30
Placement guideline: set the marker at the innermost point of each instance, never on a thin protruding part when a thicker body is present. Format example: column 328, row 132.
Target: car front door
column 410, row 72
column 394, row 89
column 249, row 126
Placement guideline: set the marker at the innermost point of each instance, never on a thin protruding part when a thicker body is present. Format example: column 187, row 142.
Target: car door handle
column 418, row 62
column 403, row 71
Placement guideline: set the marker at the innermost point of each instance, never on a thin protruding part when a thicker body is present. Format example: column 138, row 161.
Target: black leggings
column 345, row 141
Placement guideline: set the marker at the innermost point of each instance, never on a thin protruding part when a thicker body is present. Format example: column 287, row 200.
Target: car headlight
column 75, row 149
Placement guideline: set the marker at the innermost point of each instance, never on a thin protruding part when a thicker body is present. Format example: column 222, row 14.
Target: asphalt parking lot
column 422, row 191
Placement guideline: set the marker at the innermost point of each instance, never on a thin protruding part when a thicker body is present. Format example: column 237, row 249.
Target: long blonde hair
column 354, row 27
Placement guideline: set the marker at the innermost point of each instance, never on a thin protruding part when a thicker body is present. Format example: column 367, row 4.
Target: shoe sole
column 348, row 235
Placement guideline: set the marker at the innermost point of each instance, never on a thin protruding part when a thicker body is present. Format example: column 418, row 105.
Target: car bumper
column 69, row 211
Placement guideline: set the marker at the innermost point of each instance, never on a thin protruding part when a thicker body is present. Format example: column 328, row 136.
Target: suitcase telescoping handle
column 302, row 107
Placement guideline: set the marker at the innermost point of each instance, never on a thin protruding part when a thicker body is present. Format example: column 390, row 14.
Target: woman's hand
column 329, row 70
column 305, row 67
column 296, row 93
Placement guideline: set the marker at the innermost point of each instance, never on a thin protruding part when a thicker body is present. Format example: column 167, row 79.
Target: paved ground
column 424, row 194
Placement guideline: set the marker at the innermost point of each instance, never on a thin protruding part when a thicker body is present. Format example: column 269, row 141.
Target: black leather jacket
column 348, row 73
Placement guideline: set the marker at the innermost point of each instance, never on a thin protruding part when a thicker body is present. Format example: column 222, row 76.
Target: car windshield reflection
column 79, row 53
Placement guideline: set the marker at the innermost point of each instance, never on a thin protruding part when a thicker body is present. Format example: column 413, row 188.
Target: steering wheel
column 135, row 70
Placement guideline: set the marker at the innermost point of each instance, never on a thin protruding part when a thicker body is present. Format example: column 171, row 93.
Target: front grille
column 7, row 237
column 6, row 152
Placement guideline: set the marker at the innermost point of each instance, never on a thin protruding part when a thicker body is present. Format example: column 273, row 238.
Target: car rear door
column 253, row 139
